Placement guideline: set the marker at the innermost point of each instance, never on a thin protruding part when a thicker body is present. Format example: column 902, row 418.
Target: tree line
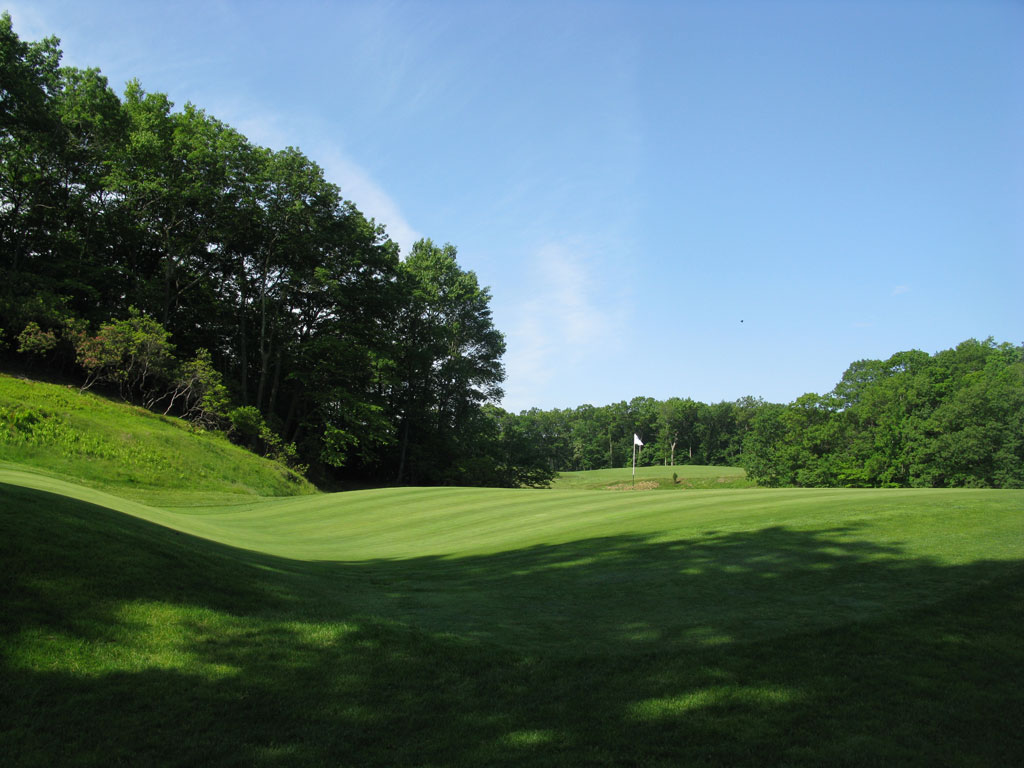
column 160, row 254
column 952, row 419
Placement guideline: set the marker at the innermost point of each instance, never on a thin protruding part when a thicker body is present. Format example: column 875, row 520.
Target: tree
column 679, row 417
column 135, row 354
column 198, row 391
column 448, row 364
column 513, row 454
column 766, row 457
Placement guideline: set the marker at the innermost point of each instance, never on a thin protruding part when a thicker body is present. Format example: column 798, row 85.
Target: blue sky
column 697, row 199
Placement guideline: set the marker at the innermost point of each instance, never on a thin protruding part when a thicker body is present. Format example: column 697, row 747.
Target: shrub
column 199, row 391
column 136, row 354
column 33, row 340
column 246, row 424
column 248, row 428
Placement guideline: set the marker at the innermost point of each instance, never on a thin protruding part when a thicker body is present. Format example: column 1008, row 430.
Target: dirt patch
column 643, row 485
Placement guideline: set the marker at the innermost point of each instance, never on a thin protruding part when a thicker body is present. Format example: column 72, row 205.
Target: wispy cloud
column 354, row 181
column 368, row 195
column 570, row 320
column 29, row 22
column 900, row 289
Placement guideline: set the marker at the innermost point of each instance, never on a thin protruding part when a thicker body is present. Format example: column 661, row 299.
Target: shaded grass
column 679, row 477
column 507, row 628
column 103, row 444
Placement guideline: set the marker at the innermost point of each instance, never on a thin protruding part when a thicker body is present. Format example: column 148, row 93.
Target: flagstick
column 634, row 461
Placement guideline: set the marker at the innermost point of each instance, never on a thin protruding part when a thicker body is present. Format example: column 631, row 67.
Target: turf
column 679, row 477
column 448, row 627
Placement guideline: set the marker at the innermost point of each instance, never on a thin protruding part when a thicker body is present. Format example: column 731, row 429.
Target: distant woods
column 952, row 419
column 160, row 255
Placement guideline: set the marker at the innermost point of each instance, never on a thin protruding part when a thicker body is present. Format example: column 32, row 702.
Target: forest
column 952, row 419
column 158, row 255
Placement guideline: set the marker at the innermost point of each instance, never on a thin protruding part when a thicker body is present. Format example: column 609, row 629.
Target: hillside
column 102, row 444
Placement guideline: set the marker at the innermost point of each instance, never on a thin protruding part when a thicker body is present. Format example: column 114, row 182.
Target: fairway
column 458, row 626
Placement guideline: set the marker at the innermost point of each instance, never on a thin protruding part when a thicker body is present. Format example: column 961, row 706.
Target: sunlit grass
column 679, row 477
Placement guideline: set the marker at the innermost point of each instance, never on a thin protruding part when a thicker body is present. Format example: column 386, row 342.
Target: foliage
column 953, row 419
column 128, row 223
column 35, row 341
column 249, row 429
column 675, row 432
column 135, row 354
column 199, row 391
column 446, row 367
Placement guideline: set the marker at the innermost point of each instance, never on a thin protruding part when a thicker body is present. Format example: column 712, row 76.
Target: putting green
column 953, row 525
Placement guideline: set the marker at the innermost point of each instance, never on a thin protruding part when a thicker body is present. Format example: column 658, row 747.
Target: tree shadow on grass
column 125, row 642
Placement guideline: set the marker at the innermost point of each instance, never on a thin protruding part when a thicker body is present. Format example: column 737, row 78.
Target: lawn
column 678, row 477
column 449, row 627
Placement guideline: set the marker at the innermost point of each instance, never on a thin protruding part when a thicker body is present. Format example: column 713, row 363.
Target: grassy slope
column 498, row 627
column 102, row 444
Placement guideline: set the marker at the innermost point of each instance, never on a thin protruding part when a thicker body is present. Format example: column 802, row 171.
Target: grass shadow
column 125, row 642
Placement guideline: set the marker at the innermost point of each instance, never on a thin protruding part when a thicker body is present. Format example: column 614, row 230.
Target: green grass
column 467, row 627
column 679, row 477
column 169, row 599
column 103, row 444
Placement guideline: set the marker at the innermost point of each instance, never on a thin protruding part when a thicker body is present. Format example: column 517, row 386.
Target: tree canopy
column 159, row 252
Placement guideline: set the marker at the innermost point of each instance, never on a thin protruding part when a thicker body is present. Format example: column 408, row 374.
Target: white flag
column 637, row 440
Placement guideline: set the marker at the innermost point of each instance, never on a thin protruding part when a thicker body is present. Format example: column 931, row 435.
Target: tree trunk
column 405, row 445
column 243, row 346
column 275, row 384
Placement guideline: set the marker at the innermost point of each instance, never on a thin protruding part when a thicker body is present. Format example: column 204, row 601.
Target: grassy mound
column 128, row 450
column 680, row 477
column 455, row 627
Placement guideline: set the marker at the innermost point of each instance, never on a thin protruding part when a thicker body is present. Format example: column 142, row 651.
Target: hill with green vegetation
column 470, row 626
column 102, row 444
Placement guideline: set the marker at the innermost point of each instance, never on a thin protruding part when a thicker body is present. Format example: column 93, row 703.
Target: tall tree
column 449, row 362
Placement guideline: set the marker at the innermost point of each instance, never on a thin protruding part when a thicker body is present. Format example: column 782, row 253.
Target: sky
column 693, row 199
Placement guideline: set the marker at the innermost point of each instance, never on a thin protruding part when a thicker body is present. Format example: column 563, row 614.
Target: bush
column 136, row 354
column 199, row 392
column 249, row 429
column 33, row 340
